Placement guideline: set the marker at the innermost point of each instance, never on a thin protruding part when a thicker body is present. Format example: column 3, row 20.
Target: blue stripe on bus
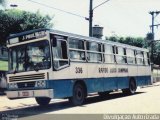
column 64, row 88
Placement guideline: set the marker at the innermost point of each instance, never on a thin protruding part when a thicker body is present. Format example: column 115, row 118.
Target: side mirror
column 54, row 42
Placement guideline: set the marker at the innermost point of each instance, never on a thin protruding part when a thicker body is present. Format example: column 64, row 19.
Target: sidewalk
column 153, row 85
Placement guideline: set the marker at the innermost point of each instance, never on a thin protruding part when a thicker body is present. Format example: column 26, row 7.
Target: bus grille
column 27, row 77
column 26, row 84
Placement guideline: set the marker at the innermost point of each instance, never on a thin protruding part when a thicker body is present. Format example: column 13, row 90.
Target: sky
column 118, row 17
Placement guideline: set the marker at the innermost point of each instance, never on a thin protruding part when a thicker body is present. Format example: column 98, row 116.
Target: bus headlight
column 13, row 85
column 40, row 83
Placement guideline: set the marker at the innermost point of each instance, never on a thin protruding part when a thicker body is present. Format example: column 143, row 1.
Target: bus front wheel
column 78, row 95
column 43, row 101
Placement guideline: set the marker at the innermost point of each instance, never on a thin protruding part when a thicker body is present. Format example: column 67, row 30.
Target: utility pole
column 90, row 18
column 91, row 15
column 154, row 14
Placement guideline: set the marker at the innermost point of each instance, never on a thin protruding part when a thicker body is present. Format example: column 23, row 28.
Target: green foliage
column 156, row 53
column 149, row 36
column 14, row 21
column 2, row 2
column 139, row 41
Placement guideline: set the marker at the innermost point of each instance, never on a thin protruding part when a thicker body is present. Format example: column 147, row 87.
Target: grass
column 4, row 65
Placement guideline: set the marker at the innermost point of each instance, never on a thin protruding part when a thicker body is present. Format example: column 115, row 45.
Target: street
column 145, row 101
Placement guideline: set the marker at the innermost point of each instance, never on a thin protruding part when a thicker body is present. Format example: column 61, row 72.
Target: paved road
column 146, row 100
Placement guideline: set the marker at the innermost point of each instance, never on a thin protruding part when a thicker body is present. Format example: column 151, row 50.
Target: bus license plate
column 25, row 94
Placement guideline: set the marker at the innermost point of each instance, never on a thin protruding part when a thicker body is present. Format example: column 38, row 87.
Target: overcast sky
column 118, row 17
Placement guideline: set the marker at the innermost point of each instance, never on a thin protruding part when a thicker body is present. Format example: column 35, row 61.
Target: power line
column 101, row 4
column 42, row 4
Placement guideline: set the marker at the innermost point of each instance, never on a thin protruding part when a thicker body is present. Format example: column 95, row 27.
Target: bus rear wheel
column 78, row 95
column 43, row 101
column 132, row 88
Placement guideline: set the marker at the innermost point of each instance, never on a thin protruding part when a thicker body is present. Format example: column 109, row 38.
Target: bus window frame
column 130, row 56
column 94, row 52
column 76, row 49
column 146, row 60
column 109, row 54
column 117, row 54
column 139, row 57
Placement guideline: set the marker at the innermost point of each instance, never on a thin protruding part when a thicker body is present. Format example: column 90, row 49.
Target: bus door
column 60, row 56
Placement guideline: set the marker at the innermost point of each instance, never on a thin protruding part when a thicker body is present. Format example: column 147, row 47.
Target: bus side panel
column 94, row 85
column 110, row 80
column 143, row 77
column 62, row 88
column 99, row 84
column 122, row 76
column 122, row 82
column 106, row 84
column 143, row 80
column 110, row 83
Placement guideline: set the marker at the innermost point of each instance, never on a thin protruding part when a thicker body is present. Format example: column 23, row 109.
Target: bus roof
column 76, row 36
column 96, row 39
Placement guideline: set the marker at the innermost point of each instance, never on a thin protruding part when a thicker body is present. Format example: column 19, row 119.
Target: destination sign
column 32, row 36
column 26, row 37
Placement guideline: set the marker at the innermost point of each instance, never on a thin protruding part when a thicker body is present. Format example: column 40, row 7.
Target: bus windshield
column 29, row 57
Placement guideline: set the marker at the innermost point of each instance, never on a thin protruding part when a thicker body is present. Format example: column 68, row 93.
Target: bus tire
column 132, row 88
column 43, row 101
column 78, row 94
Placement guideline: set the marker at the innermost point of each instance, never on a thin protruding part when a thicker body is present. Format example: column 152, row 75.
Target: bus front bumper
column 30, row 93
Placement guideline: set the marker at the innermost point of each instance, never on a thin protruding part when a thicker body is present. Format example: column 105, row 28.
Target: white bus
column 48, row 64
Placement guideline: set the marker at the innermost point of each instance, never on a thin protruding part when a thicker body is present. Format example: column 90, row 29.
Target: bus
column 50, row 64
column 3, row 68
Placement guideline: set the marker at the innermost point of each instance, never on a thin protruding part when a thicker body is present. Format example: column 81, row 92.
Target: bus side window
column 146, row 58
column 108, row 53
column 130, row 56
column 94, row 52
column 64, row 49
column 121, row 55
column 76, row 49
column 139, row 57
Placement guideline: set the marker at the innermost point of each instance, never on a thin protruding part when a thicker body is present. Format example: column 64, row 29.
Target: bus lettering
column 103, row 70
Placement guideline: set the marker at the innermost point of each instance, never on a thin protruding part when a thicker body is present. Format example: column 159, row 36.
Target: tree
column 156, row 53
column 15, row 21
column 138, row 42
column 2, row 3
